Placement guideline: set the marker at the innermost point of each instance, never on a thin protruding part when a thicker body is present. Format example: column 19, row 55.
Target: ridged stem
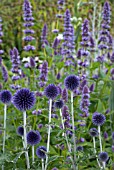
column 25, row 140
column 33, row 154
column 4, row 137
column 42, row 164
column 100, row 139
column 74, row 141
column 49, row 130
column 69, row 148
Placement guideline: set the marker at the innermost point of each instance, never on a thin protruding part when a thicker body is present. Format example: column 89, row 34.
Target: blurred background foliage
column 44, row 11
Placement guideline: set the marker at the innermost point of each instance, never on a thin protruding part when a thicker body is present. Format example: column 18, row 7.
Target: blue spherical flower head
column 51, row 91
column 93, row 132
column 59, row 104
column 5, row 96
column 103, row 156
column 71, row 82
column 33, row 137
column 20, row 131
column 24, row 99
column 41, row 152
column 98, row 119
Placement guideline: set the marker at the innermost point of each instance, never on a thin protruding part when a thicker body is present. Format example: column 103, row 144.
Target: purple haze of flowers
column 24, row 99
column 85, row 103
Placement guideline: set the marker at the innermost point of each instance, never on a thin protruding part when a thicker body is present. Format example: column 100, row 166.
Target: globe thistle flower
column 51, row 91
column 41, row 152
column 59, row 104
column 79, row 148
column 93, row 132
column 71, row 82
column 98, row 119
column 4, row 73
column 24, row 99
column 103, row 156
column 5, row 96
column 33, row 137
column 20, row 131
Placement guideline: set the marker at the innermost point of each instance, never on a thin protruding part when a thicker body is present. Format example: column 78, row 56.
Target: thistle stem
column 4, row 138
column 42, row 164
column 25, row 141
column 94, row 145
column 49, row 130
column 100, row 138
column 33, row 154
column 69, row 148
column 72, row 113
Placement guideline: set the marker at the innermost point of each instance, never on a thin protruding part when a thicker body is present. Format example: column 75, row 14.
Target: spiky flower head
column 98, row 119
column 20, row 130
column 5, row 96
column 51, row 91
column 24, row 99
column 33, row 137
column 93, row 132
column 41, row 152
column 103, row 156
column 71, row 82
column 59, row 104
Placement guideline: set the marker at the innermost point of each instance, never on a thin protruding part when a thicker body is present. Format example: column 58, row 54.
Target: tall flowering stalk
column 24, row 100
column 71, row 83
column 51, row 92
column 5, row 98
column 43, row 74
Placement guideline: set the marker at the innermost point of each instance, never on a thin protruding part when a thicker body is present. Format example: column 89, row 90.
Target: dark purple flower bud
column 5, row 96
column 92, row 87
column 51, row 91
column 98, row 119
column 32, row 62
column 33, row 137
column 59, row 104
column 41, row 152
column 103, row 156
column 107, row 111
column 71, row 82
column 79, row 148
column 24, row 99
column 40, row 126
column 81, row 140
column 105, row 135
column 112, row 135
column 4, row 73
column 93, row 132
column 58, row 76
column 20, row 130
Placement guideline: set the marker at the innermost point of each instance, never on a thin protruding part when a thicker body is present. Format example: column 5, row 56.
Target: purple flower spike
column 4, row 73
